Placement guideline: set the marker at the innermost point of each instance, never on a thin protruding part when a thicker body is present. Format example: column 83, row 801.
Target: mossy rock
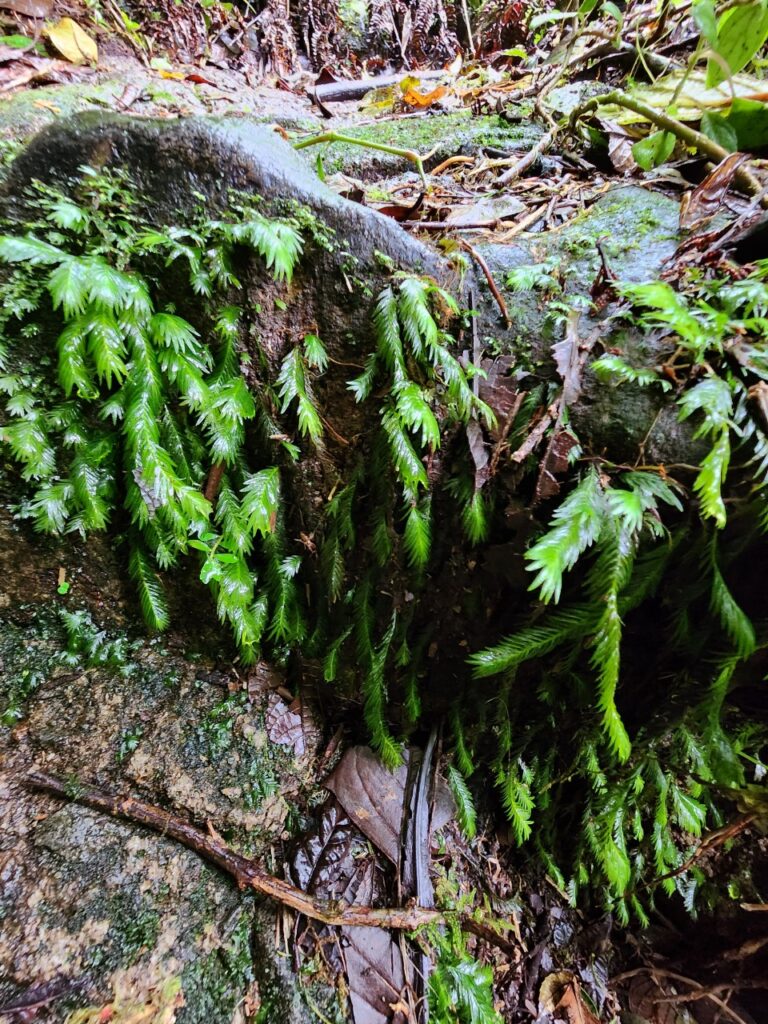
column 638, row 231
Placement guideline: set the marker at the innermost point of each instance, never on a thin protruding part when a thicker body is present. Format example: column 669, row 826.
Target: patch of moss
column 441, row 135
column 214, row 984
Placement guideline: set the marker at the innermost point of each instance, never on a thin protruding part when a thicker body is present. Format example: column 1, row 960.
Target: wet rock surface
column 94, row 910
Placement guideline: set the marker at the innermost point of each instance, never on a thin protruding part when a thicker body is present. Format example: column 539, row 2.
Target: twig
column 710, row 841
column 545, row 143
column 489, row 278
column 350, row 140
column 246, row 873
column 744, row 178
column 528, row 445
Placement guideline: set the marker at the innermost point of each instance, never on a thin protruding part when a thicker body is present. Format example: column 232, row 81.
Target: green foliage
column 654, row 584
column 460, row 989
column 465, row 807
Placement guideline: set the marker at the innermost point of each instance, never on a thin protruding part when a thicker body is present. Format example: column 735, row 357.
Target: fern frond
column 150, row 589
column 711, row 478
column 535, row 641
column 465, row 806
column 574, row 527
column 417, row 538
column 517, row 799
column 735, row 623
column 614, row 370
column 260, row 502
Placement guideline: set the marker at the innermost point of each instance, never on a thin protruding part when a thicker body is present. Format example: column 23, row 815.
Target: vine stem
column 408, row 154
column 245, row 872
column 690, row 136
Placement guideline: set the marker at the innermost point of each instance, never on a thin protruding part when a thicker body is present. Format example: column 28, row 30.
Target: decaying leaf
column 29, row 8
column 554, row 463
column 422, row 100
column 707, row 198
column 292, row 726
column 568, row 359
column 372, row 796
column 500, row 391
column 72, row 42
column 488, row 208
column 479, row 452
column 375, row 975
column 560, row 996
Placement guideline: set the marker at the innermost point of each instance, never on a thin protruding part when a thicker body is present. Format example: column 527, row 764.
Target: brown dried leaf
column 499, row 391
column 568, row 360
column 707, row 198
column 29, row 8
column 284, row 726
column 375, row 975
column 644, row 993
column 555, row 461
column 372, row 796
column 479, row 452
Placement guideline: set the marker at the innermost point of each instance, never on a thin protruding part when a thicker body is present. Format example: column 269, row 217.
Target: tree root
column 246, row 873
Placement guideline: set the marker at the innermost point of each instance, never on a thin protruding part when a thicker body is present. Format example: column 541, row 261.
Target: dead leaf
column 707, row 198
column 489, row 208
column 292, row 726
column 479, row 452
column 373, row 797
column 375, row 975
column 72, row 42
column 400, row 213
column 500, row 391
column 555, row 461
column 29, row 8
column 422, row 100
column 576, row 1009
column 568, row 359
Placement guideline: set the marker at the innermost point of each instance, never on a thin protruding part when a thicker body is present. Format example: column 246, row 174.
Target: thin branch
column 489, row 278
column 350, row 140
column 246, row 873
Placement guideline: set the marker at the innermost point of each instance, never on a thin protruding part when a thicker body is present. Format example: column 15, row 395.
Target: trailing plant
column 636, row 583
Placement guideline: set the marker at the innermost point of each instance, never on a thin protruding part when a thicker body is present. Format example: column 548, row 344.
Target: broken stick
column 246, row 873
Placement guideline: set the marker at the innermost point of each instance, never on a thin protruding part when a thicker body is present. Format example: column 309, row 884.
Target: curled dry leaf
column 72, row 42
column 291, row 726
column 707, row 198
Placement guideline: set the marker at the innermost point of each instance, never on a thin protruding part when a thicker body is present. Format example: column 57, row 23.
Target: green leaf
column 68, row 286
column 736, row 624
column 709, row 483
column 29, row 249
column 741, row 32
column 315, row 353
column 151, row 596
column 174, row 332
column 534, row 641
column 518, row 802
column 654, row 150
column 705, row 19
column 612, row 369
column 261, row 498
column 717, row 128
column 68, row 215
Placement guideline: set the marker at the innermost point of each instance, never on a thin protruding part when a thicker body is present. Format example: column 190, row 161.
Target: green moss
column 445, row 134
column 214, row 984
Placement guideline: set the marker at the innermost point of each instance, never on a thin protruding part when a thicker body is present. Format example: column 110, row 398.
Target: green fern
column 465, row 807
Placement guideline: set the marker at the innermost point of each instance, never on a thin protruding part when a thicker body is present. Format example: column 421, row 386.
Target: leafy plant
column 639, row 793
